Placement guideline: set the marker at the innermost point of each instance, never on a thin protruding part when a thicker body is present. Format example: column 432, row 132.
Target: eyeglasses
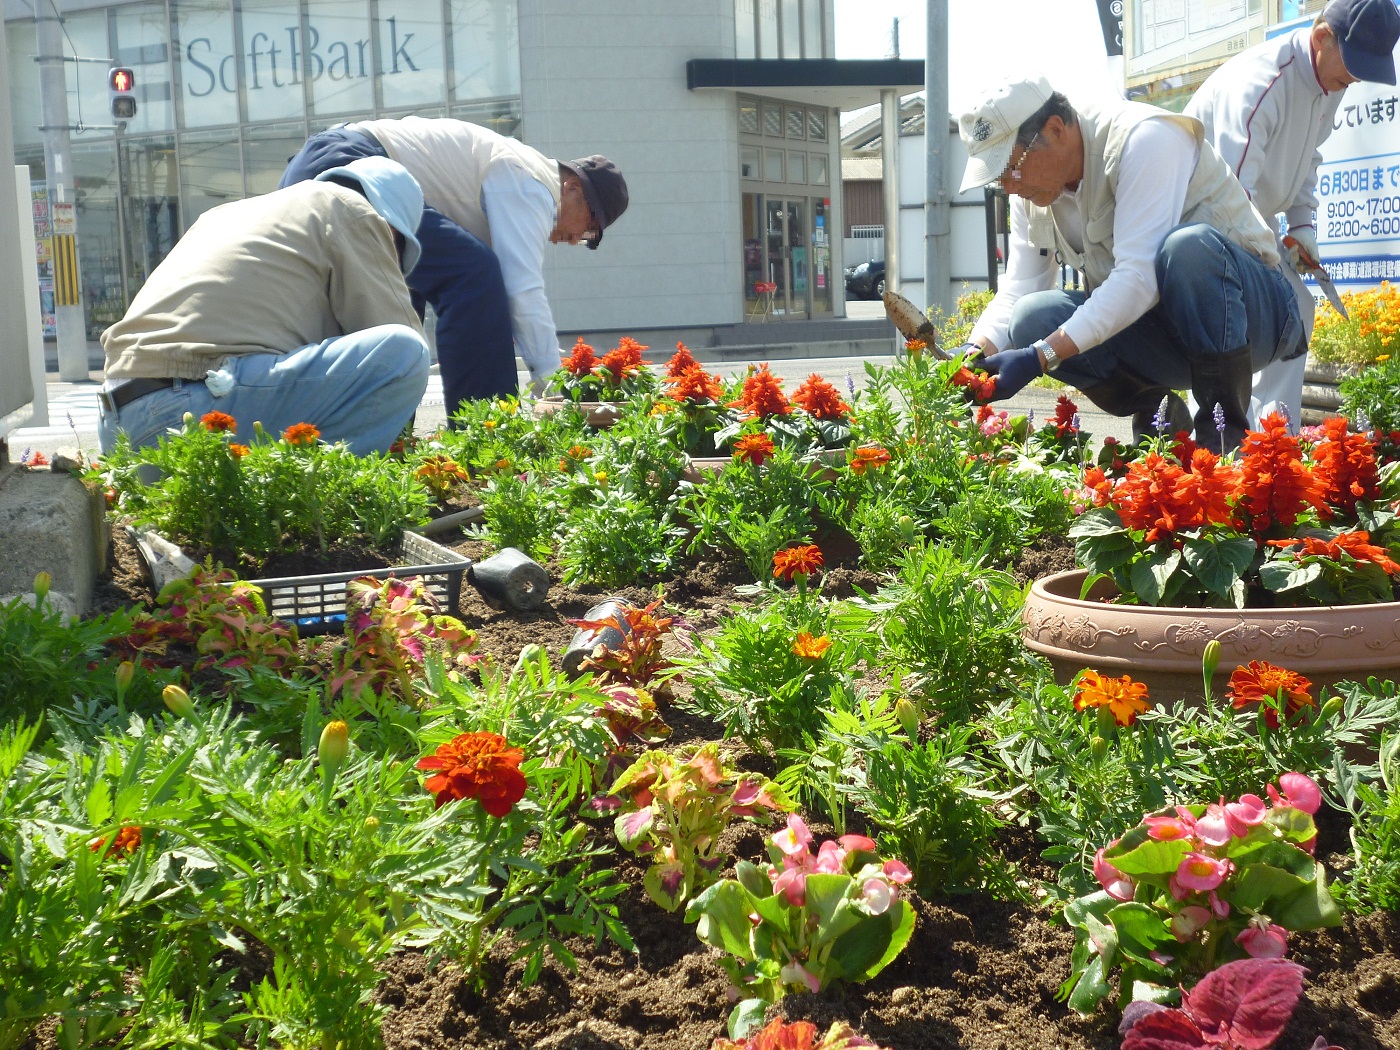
column 1012, row 176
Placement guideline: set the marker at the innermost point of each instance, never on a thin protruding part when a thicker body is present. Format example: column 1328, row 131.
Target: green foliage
column 1374, row 882
column 521, row 512
column 616, row 541
column 1374, row 392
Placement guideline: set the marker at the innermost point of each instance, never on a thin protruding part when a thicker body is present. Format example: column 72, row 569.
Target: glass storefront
column 227, row 91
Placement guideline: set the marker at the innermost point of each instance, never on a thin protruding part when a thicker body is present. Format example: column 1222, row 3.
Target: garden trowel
column 912, row 323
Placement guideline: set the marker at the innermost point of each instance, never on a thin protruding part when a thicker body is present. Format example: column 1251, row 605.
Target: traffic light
column 121, row 82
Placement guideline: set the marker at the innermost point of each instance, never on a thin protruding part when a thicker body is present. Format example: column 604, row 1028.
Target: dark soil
column 979, row 974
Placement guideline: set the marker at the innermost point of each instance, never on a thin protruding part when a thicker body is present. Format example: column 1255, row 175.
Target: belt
column 125, row 393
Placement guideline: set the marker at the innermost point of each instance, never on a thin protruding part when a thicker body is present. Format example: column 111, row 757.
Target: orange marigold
column 237, row 451
column 626, row 360
column 694, row 385
column 763, row 395
column 682, row 361
column 1354, row 545
column 482, row 766
column 867, row 458
column 1345, row 466
column 1124, row 698
column 809, row 647
column 820, row 399
column 754, row 448
column 218, row 422
column 1274, row 484
column 582, row 360
column 301, row 434
column 127, row 840
column 980, row 385
column 806, row 559
column 1275, row 687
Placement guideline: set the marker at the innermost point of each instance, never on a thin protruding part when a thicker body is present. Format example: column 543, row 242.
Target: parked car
column 866, row 280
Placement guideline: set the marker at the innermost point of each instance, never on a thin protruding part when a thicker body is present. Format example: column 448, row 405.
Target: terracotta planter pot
column 703, row 465
column 1162, row 646
column 600, row 414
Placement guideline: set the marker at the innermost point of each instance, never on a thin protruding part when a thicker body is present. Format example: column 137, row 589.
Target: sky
column 990, row 41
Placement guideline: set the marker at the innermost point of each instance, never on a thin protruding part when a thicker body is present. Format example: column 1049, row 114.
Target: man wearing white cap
column 1267, row 111
column 285, row 308
column 1184, row 288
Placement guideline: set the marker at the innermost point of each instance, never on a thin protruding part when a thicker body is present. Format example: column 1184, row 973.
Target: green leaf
column 1097, row 904
column 1090, row 989
column 870, row 946
column 1217, row 564
column 721, row 915
column 1254, row 886
column 1285, row 574
column 1140, row 930
column 1100, row 521
column 1150, row 575
column 1104, row 938
column 1152, row 858
column 746, row 1016
column 1310, row 910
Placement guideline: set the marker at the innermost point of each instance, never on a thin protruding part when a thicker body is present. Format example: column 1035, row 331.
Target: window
column 206, row 55
column 211, row 172
column 141, row 44
column 812, row 29
column 797, row 167
column 342, row 57
column 486, row 48
column 748, row 116
column 773, row 119
column 818, row 165
column 745, row 42
column 796, row 124
column 773, row 165
column 816, row 125
column 767, row 28
column 792, row 29
column 748, row 162
column 410, row 54
column 265, row 153
column 272, row 77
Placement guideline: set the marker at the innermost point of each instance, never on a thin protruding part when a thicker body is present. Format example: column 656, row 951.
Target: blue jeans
column 361, row 388
column 1214, row 298
column 458, row 273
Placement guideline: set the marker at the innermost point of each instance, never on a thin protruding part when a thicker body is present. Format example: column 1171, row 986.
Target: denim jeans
column 1213, row 297
column 360, row 388
column 458, row 273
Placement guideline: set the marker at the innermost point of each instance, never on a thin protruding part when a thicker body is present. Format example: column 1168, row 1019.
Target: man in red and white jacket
column 1267, row 111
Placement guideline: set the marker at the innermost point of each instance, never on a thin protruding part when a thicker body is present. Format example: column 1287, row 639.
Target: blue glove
column 1013, row 369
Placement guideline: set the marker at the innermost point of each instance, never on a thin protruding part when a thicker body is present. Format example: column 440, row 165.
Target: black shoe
column 1221, row 384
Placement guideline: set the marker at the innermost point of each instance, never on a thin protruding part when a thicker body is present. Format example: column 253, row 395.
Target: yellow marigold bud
column 908, row 714
column 1331, row 709
column 42, row 582
column 489, row 424
column 371, row 823
column 126, row 671
column 1098, row 747
column 178, row 701
column 601, row 478
column 1210, row 659
column 333, row 747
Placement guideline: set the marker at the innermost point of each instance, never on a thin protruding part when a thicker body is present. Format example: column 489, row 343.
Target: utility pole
column 938, row 236
column 889, row 155
column 58, row 173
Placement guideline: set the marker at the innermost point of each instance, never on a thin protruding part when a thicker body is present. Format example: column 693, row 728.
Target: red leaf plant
column 479, row 765
column 1243, row 1005
column 637, row 660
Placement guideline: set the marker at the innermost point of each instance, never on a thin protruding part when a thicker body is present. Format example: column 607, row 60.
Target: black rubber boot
column 1178, row 418
column 1224, row 381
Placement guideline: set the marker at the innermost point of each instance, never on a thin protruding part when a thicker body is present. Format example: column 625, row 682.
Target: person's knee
column 403, row 351
column 1038, row 314
column 1189, row 250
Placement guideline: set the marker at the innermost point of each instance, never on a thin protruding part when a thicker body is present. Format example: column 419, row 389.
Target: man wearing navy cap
column 1267, row 111
column 492, row 204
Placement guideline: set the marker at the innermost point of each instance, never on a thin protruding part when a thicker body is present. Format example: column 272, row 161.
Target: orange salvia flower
column 127, row 840
column 482, row 766
column 809, row 647
column 1146, row 498
column 218, row 422
column 1096, row 481
column 820, row 399
column 625, row 360
column 1274, row 484
column 806, row 559
column 754, row 448
column 866, row 458
column 1354, row 545
column 1345, row 466
column 763, row 395
column 1261, row 681
column 1203, row 493
column 694, row 384
column 1124, row 698
column 581, row 361
column 682, row 361
column 301, row 434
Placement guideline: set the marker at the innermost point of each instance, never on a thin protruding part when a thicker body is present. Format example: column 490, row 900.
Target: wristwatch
column 1049, row 359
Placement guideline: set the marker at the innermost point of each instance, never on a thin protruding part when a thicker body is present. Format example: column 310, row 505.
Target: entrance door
column 785, row 244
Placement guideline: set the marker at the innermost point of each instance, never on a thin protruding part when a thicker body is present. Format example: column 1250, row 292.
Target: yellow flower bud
column 188, row 419
column 333, row 747
column 1098, row 747
column 1331, row 709
column 371, row 823
column 42, row 582
column 126, row 671
column 1210, row 659
column 178, row 701
column 908, row 714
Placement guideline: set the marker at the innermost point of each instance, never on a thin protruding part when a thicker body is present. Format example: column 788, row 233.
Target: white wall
column 616, row 85
column 16, row 387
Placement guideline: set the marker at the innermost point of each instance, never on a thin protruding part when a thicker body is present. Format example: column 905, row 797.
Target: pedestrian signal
column 121, row 83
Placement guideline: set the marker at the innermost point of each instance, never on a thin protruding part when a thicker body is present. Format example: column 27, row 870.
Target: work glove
column 1013, row 369
column 1302, row 252
column 970, row 351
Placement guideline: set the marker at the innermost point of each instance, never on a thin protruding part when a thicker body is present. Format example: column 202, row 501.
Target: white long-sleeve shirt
column 1158, row 161
column 1266, row 114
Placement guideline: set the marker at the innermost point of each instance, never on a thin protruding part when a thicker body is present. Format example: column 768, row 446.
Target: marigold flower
column 788, row 563
column 754, row 448
column 809, row 647
column 864, row 459
column 980, row 385
column 1273, row 481
column 1124, row 698
column 1345, row 466
column 820, row 399
column 127, row 840
column 581, row 361
column 1261, row 681
column 915, row 347
column 763, row 395
column 237, row 451
column 626, row 360
column 218, row 422
column 301, row 434
column 479, row 765
column 694, row 385
column 682, row 361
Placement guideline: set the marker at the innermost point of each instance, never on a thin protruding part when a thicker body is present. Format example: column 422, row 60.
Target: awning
column 838, row 83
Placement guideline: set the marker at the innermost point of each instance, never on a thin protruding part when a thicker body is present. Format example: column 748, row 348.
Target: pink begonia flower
column 792, row 884
column 897, row 871
column 1168, row 829
column 1219, row 908
column 1199, row 872
column 1262, row 939
column 795, row 838
column 795, row 972
column 830, row 858
column 877, row 895
column 857, row 842
column 1114, row 882
column 1190, row 921
column 1213, row 829
column 994, row 424
column 1245, row 814
column 1298, row 791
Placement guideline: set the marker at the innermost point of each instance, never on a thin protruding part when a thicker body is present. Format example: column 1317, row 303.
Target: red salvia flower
column 1261, row 681
column 682, row 361
column 788, row 563
column 754, row 448
column 1354, row 545
column 865, row 459
column 127, row 840
column 625, row 360
column 1101, row 489
column 1345, row 466
column 581, row 361
column 1273, row 481
column 1146, row 498
column 301, row 434
column 980, row 385
column 694, row 385
column 809, row 647
column 218, row 422
column 482, row 766
column 763, row 395
column 820, row 399
column 1203, row 492
column 1063, row 421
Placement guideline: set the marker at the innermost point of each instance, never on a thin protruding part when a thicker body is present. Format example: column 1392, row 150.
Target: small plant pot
column 824, row 465
column 585, row 641
column 600, row 414
column 510, row 579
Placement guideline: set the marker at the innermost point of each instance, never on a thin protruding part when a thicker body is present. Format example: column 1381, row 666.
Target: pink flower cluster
column 878, row 890
column 992, row 422
column 1201, row 871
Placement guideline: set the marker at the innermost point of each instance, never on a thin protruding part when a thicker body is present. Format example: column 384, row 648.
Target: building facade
column 729, row 188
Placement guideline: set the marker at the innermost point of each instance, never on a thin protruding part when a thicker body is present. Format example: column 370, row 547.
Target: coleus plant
column 1193, row 886
column 805, row 920
column 778, row 1034
column 1243, row 1005
column 637, row 660
column 673, row 810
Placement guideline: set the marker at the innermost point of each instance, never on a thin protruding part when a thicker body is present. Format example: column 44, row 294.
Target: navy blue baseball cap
column 1367, row 31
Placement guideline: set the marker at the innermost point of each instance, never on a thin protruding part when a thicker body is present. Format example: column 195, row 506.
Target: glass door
column 786, row 255
column 798, row 254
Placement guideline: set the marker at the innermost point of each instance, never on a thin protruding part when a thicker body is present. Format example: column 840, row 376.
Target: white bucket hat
column 989, row 130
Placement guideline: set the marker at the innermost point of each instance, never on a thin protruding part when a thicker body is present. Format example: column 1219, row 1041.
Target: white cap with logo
column 989, row 130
